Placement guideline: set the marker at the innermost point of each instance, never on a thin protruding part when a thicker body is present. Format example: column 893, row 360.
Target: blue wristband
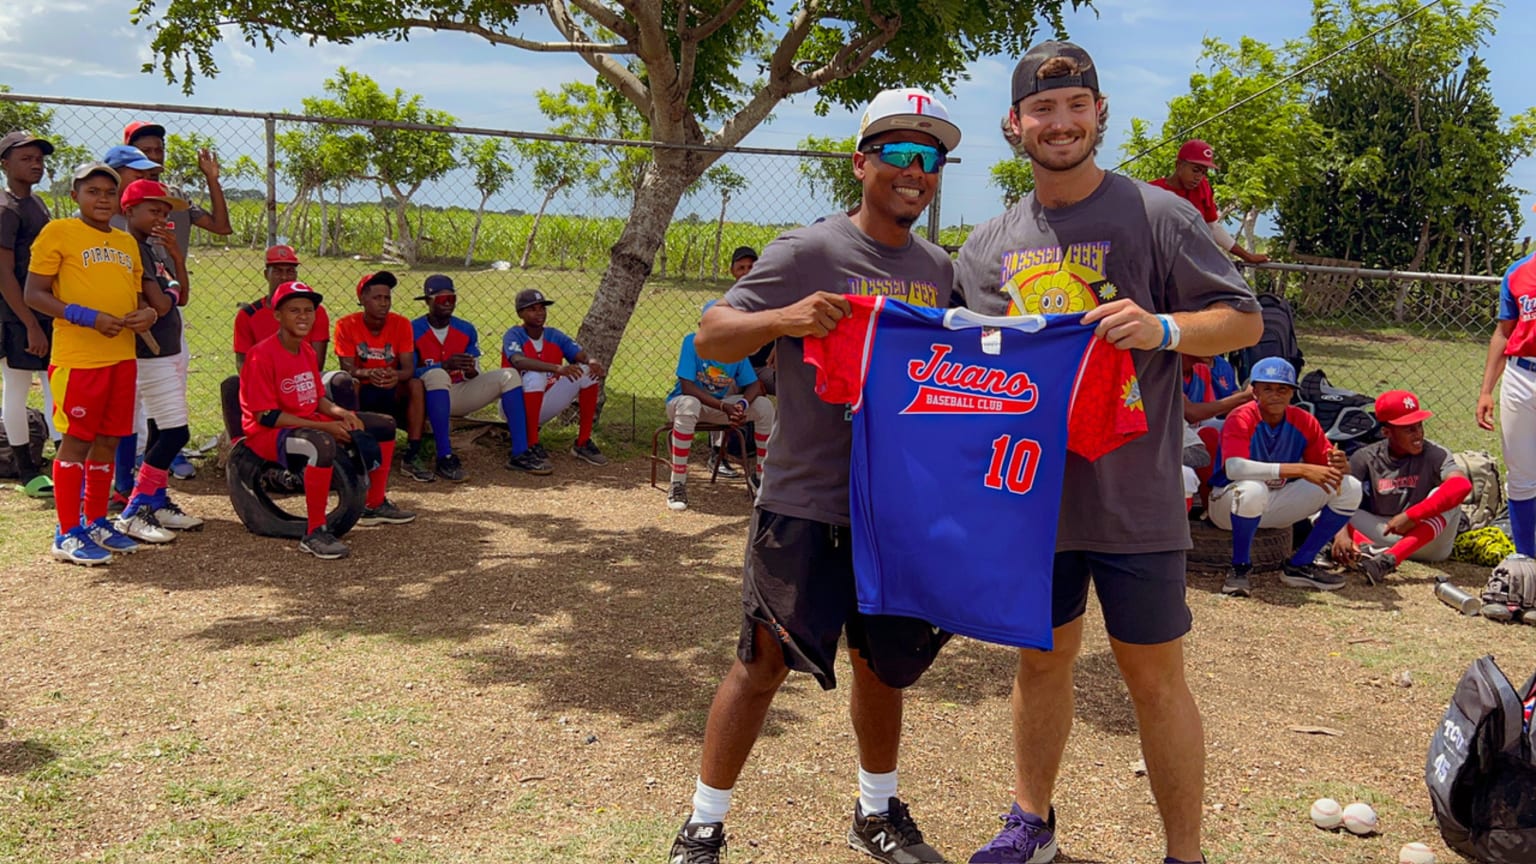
column 80, row 316
column 1167, row 332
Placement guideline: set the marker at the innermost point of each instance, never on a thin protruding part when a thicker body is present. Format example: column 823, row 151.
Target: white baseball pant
column 1517, row 424
column 1278, row 508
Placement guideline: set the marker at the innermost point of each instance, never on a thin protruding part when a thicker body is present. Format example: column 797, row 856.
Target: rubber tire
column 263, row 516
column 1212, row 552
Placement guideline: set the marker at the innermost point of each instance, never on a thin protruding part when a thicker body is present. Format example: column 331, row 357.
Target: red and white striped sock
column 762, row 450
column 681, row 445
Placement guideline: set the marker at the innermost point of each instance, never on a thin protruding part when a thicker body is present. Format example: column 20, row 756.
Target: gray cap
column 1026, row 75
column 91, row 169
column 21, row 138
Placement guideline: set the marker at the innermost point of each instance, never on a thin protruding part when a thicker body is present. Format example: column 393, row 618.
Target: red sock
column 761, row 440
column 98, row 489
column 1418, row 538
column 1189, row 504
column 151, row 480
column 378, row 478
column 1355, row 535
column 533, row 403
column 1211, row 438
column 586, row 402
column 317, row 491
column 68, row 489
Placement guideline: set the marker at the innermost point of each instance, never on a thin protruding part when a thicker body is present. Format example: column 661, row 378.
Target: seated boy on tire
column 285, row 417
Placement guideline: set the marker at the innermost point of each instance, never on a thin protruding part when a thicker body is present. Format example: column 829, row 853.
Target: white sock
column 876, row 791
column 709, row 804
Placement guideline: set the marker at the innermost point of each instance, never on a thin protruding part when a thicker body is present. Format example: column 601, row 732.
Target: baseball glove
column 1512, row 583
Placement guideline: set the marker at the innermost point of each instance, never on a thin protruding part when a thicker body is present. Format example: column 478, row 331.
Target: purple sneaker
column 1025, row 839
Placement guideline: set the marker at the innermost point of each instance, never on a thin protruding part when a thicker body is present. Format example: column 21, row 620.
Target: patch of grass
column 175, row 748
column 267, row 839
column 387, row 715
column 603, row 836
column 207, row 791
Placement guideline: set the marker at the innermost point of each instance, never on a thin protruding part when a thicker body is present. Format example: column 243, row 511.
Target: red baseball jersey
column 275, row 378
column 255, row 322
column 1517, row 303
column 374, row 350
column 1204, row 198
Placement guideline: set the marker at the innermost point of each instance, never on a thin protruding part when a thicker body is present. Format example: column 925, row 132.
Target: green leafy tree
column 317, row 159
column 725, row 180
column 38, row 120
column 557, row 167
column 830, row 177
column 1411, row 173
column 399, row 160
column 1264, row 147
column 493, row 171
column 588, row 111
column 1015, row 177
column 703, row 72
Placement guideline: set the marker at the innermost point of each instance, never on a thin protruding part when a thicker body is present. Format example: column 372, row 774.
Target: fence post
column 933, row 209
column 271, row 124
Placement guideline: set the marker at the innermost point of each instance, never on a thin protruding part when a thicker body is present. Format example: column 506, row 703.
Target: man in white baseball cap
column 798, row 580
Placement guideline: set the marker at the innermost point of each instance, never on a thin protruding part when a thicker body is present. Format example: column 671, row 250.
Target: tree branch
column 708, row 28
column 607, row 17
column 573, row 47
column 781, row 66
column 623, row 80
column 851, row 57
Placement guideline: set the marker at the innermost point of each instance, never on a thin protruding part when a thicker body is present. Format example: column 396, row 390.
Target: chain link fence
column 500, row 211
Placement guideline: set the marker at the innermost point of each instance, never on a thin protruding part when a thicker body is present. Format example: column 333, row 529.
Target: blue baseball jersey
column 1210, row 382
column 1517, row 303
column 459, row 337
column 716, row 378
column 1297, row 438
column 552, row 346
column 961, row 425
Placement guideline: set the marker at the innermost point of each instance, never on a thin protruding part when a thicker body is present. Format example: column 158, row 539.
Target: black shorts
column 382, row 400
column 798, row 583
column 13, row 345
column 1142, row 595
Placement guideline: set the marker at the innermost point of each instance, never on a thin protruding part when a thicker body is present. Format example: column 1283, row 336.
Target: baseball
column 1360, row 819
column 1326, row 814
column 1415, row 853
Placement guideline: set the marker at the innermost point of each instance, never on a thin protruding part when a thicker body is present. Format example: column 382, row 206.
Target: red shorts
column 92, row 402
column 265, row 443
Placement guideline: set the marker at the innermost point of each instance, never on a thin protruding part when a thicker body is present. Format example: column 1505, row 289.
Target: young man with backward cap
column 798, row 589
column 1141, row 264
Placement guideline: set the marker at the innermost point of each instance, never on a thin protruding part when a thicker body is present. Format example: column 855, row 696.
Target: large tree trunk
column 630, row 259
column 1400, row 306
column 325, row 224
column 474, row 233
column 714, row 266
column 405, row 241
column 534, row 232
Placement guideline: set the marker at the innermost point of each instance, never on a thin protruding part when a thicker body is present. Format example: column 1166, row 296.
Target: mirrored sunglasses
column 900, row 154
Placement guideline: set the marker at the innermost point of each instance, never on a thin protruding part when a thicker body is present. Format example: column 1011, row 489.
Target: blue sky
column 1145, row 50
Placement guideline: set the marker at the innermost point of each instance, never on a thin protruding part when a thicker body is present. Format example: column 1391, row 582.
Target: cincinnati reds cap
column 140, row 191
column 1198, row 152
column 437, row 285
column 908, row 108
column 290, row 290
column 1026, row 75
column 282, row 254
column 22, row 139
column 383, row 277
column 532, row 297
column 139, row 128
column 1400, row 408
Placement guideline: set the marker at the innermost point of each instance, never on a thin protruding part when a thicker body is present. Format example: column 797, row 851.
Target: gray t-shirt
column 806, row 474
column 1392, row 483
column 1126, row 240
column 21, row 220
column 181, row 220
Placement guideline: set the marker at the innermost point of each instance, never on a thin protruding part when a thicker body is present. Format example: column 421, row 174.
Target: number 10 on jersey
column 1013, row 464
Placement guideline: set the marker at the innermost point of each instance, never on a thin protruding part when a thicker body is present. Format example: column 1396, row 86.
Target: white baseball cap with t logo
column 908, row 108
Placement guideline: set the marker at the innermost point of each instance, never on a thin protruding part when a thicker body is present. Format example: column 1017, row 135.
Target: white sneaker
column 140, row 524
column 173, row 517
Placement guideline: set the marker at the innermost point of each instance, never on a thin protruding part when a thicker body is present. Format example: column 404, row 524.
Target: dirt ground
column 523, row 675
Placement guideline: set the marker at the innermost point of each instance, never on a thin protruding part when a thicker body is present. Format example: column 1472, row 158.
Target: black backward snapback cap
column 1026, row 75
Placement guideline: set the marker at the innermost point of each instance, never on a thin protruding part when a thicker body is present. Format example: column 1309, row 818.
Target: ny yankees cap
column 436, row 285
column 1198, row 152
column 140, row 191
column 532, row 297
column 908, row 108
column 21, row 139
column 282, row 254
column 383, row 277
column 290, row 290
column 139, row 128
column 1026, row 75
column 123, row 156
column 1400, row 408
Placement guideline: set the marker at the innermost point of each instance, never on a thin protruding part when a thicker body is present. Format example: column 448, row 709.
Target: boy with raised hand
column 89, row 277
column 556, row 371
column 448, row 364
column 378, row 360
column 25, row 336
column 285, row 417
column 150, row 515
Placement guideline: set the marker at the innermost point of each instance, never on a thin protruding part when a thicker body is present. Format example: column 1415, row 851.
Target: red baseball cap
column 281, row 254
column 140, row 191
column 290, row 290
column 1198, row 152
column 383, row 277
column 140, row 128
column 1400, row 408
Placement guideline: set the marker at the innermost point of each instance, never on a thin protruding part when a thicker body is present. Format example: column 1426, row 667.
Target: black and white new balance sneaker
column 891, row 836
column 677, row 499
column 1310, row 576
column 698, row 843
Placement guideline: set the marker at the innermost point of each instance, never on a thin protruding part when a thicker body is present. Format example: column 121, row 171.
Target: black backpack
column 1279, row 339
column 1348, row 418
column 1482, row 783
column 37, row 432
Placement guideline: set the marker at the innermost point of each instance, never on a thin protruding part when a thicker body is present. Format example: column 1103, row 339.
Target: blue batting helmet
column 1273, row 370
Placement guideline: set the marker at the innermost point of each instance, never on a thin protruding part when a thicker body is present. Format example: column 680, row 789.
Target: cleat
column 698, row 843
column 75, row 546
column 138, row 522
column 322, row 544
column 530, row 462
column 677, row 499
column 1309, row 576
column 722, row 467
column 182, row 468
column 1237, row 584
column 1376, row 567
column 109, row 538
column 589, row 453
column 385, row 514
column 416, row 468
column 450, row 468
column 173, row 517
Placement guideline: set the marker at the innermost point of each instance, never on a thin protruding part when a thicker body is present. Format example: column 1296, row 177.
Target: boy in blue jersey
column 1266, row 447
column 556, row 371
column 1140, row 263
column 704, row 392
column 798, row 588
column 447, row 362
